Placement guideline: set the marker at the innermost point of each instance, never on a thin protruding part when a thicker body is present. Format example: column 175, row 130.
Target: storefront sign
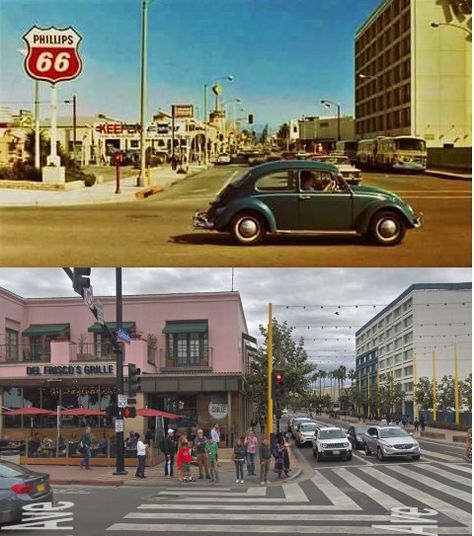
column 117, row 129
column 69, row 370
column 183, row 111
column 217, row 410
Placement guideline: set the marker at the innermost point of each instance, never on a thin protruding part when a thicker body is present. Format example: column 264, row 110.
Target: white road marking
column 446, row 474
column 334, row 494
column 257, row 492
column 245, row 508
column 264, row 517
column 294, row 493
column 458, row 467
column 439, row 455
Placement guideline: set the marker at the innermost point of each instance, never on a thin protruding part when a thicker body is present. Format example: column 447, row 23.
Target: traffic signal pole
column 269, row 375
column 120, row 461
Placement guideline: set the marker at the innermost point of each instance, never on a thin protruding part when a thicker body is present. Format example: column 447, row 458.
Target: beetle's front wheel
column 387, row 228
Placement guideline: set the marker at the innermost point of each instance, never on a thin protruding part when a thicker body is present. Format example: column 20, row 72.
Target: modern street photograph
column 236, row 401
column 244, row 133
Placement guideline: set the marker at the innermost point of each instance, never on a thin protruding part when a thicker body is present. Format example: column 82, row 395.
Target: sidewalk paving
column 101, row 192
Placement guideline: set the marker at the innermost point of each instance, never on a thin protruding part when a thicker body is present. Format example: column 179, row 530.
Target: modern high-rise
column 413, row 73
column 429, row 322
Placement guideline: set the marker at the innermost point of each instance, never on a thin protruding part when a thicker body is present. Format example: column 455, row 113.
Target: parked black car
column 355, row 434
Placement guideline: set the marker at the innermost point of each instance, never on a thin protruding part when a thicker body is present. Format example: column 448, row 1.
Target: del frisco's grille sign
column 69, row 370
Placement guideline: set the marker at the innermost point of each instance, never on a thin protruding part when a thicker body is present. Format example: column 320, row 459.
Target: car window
column 332, row 434
column 318, row 181
column 276, row 182
column 360, row 429
column 8, row 470
column 372, row 431
column 308, row 427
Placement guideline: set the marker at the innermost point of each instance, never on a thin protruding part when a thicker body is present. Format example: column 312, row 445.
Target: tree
column 424, row 393
column 264, row 134
column 465, row 388
column 446, row 393
column 288, row 355
column 283, row 134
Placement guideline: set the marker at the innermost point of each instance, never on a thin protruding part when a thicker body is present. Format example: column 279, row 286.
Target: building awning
column 127, row 326
column 186, row 327
column 36, row 330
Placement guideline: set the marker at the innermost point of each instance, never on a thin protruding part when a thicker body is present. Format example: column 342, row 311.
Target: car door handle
column 304, row 196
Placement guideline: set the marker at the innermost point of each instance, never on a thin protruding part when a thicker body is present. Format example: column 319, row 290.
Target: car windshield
column 360, row 429
column 332, row 434
column 392, row 432
column 310, row 427
column 410, row 144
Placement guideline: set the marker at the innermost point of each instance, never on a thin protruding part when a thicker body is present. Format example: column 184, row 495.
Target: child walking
column 183, row 461
column 211, row 449
column 239, row 459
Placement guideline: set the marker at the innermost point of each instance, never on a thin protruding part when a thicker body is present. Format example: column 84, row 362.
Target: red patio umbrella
column 83, row 412
column 29, row 411
column 150, row 412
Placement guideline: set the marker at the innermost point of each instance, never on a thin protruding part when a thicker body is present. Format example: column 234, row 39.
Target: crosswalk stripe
column 458, row 467
column 247, row 507
column 432, row 483
column 273, row 529
column 432, row 502
column 386, row 501
column 334, row 494
column 224, row 499
column 433, row 454
column 294, row 493
column 445, row 474
column 265, row 517
column 256, row 492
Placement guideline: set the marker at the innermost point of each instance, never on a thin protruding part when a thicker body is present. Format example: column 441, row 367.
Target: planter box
column 434, row 435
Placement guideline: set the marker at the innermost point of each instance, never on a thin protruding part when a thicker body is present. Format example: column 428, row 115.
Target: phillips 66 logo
column 52, row 54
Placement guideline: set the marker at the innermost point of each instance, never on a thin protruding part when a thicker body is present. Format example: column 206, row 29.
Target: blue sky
column 285, row 55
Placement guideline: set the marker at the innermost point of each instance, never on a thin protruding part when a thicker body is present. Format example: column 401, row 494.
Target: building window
column 11, row 345
column 408, row 371
column 408, row 338
column 397, row 359
column 407, row 355
column 187, row 349
column 408, row 321
column 398, row 373
column 103, row 347
column 408, row 387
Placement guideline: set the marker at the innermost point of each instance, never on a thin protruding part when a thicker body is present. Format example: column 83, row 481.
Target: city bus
column 402, row 153
column 366, row 151
column 347, row 148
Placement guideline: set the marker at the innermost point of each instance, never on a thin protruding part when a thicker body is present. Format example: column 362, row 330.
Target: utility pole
column 269, row 373
column 141, row 176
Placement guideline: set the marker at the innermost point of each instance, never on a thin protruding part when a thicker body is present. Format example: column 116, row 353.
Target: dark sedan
column 19, row 487
column 355, row 436
column 302, row 196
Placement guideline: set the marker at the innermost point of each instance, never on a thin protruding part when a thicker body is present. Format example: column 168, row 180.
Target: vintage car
column 351, row 174
column 274, row 198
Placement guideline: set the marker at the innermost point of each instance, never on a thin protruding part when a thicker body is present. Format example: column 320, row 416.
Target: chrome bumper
column 200, row 220
column 419, row 220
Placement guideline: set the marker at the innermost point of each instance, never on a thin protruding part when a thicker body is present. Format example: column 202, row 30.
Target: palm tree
column 322, row 376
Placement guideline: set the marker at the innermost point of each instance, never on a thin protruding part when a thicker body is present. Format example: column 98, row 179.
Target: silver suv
column 390, row 441
column 331, row 442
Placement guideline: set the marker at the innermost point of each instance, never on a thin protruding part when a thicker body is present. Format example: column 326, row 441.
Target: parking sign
column 52, row 54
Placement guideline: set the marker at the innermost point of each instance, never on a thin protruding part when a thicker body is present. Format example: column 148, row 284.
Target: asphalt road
column 157, row 231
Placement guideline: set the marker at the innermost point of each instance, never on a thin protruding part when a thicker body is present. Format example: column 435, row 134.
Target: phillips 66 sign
column 52, row 54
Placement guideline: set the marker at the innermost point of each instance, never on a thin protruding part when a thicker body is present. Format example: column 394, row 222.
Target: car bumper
column 200, row 221
column 387, row 451
column 418, row 220
column 335, row 453
column 13, row 514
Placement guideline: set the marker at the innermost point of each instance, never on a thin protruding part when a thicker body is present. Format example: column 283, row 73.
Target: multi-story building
column 427, row 322
column 324, row 130
column 413, row 77
column 193, row 350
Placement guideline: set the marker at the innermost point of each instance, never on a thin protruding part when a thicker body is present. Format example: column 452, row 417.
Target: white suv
column 331, row 442
column 305, row 432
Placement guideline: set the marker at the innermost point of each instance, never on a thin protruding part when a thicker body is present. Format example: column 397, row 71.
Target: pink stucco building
column 193, row 351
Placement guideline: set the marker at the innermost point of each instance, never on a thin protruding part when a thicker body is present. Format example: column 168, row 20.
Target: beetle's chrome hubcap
column 388, row 228
column 248, row 228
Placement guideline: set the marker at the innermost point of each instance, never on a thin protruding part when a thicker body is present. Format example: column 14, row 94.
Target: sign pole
column 53, row 158
column 37, row 127
column 269, row 373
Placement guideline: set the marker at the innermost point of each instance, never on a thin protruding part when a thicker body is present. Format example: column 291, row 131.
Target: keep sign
column 52, row 54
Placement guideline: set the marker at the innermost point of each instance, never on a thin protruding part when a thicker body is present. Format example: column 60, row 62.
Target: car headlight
column 416, row 444
column 346, row 444
column 324, row 445
column 384, row 443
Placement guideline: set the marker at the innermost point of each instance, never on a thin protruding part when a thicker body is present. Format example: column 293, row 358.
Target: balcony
column 88, row 351
column 186, row 363
column 25, row 353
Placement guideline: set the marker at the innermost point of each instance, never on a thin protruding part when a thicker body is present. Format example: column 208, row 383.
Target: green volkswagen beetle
column 303, row 196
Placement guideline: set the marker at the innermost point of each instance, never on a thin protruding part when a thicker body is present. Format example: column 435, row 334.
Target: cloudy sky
column 315, row 301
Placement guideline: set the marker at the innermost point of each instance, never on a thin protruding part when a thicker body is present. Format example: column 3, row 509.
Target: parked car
column 331, row 442
column 223, row 159
column 256, row 159
column 294, row 423
column 351, row 174
column 390, row 441
column 355, row 435
column 271, row 198
column 305, row 432
column 19, row 487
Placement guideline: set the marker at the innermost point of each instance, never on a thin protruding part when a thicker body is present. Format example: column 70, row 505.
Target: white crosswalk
column 338, row 500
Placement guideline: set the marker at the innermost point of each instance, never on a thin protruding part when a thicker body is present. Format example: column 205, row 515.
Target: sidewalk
column 102, row 192
column 103, row 476
column 445, row 174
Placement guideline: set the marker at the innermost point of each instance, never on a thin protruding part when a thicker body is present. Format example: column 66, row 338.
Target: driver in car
column 311, row 181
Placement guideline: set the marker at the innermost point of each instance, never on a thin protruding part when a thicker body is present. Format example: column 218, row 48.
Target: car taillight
column 21, row 489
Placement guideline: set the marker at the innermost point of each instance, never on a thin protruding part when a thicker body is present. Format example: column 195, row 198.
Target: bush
column 449, row 426
column 20, row 171
column 89, row 179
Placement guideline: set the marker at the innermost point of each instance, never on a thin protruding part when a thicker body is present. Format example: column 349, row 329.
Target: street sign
column 121, row 401
column 89, row 297
column 182, row 111
column 99, row 310
column 52, row 54
column 123, row 336
column 119, row 425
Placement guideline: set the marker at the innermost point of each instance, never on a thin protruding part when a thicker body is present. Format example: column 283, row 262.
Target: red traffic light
column 129, row 412
column 279, row 377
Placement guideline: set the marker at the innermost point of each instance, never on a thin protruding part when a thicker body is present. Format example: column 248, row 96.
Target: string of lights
column 371, row 305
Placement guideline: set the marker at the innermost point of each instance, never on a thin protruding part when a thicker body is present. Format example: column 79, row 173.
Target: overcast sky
column 327, row 328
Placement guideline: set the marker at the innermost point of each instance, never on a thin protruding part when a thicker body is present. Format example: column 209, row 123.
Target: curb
column 62, row 482
column 449, row 175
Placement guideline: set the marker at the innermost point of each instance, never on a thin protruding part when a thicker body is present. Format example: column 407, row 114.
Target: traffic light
column 80, row 279
column 129, row 412
column 133, row 380
column 250, row 121
column 278, row 384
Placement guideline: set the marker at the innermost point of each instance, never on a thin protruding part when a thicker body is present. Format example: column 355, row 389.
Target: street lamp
column 463, row 28
column 141, row 176
column 229, row 78
column 328, row 103
column 74, row 124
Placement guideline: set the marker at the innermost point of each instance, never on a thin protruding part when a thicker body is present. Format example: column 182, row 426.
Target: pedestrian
column 251, row 443
column 265, row 457
column 211, row 452
column 238, row 456
column 253, row 423
column 183, row 460
column 169, row 452
column 422, row 423
column 416, row 424
column 216, row 436
column 468, row 447
column 285, row 443
column 261, row 420
column 278, row 455
column 85, row 445
column 200, row 448
column 141, row 457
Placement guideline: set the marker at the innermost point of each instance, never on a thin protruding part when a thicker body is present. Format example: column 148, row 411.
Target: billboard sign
column 183, row 111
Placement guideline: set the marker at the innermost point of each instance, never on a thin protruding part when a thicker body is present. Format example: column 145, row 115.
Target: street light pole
column 141, row 176
column 328, row 103
column 74, row 123
column 438, row 24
